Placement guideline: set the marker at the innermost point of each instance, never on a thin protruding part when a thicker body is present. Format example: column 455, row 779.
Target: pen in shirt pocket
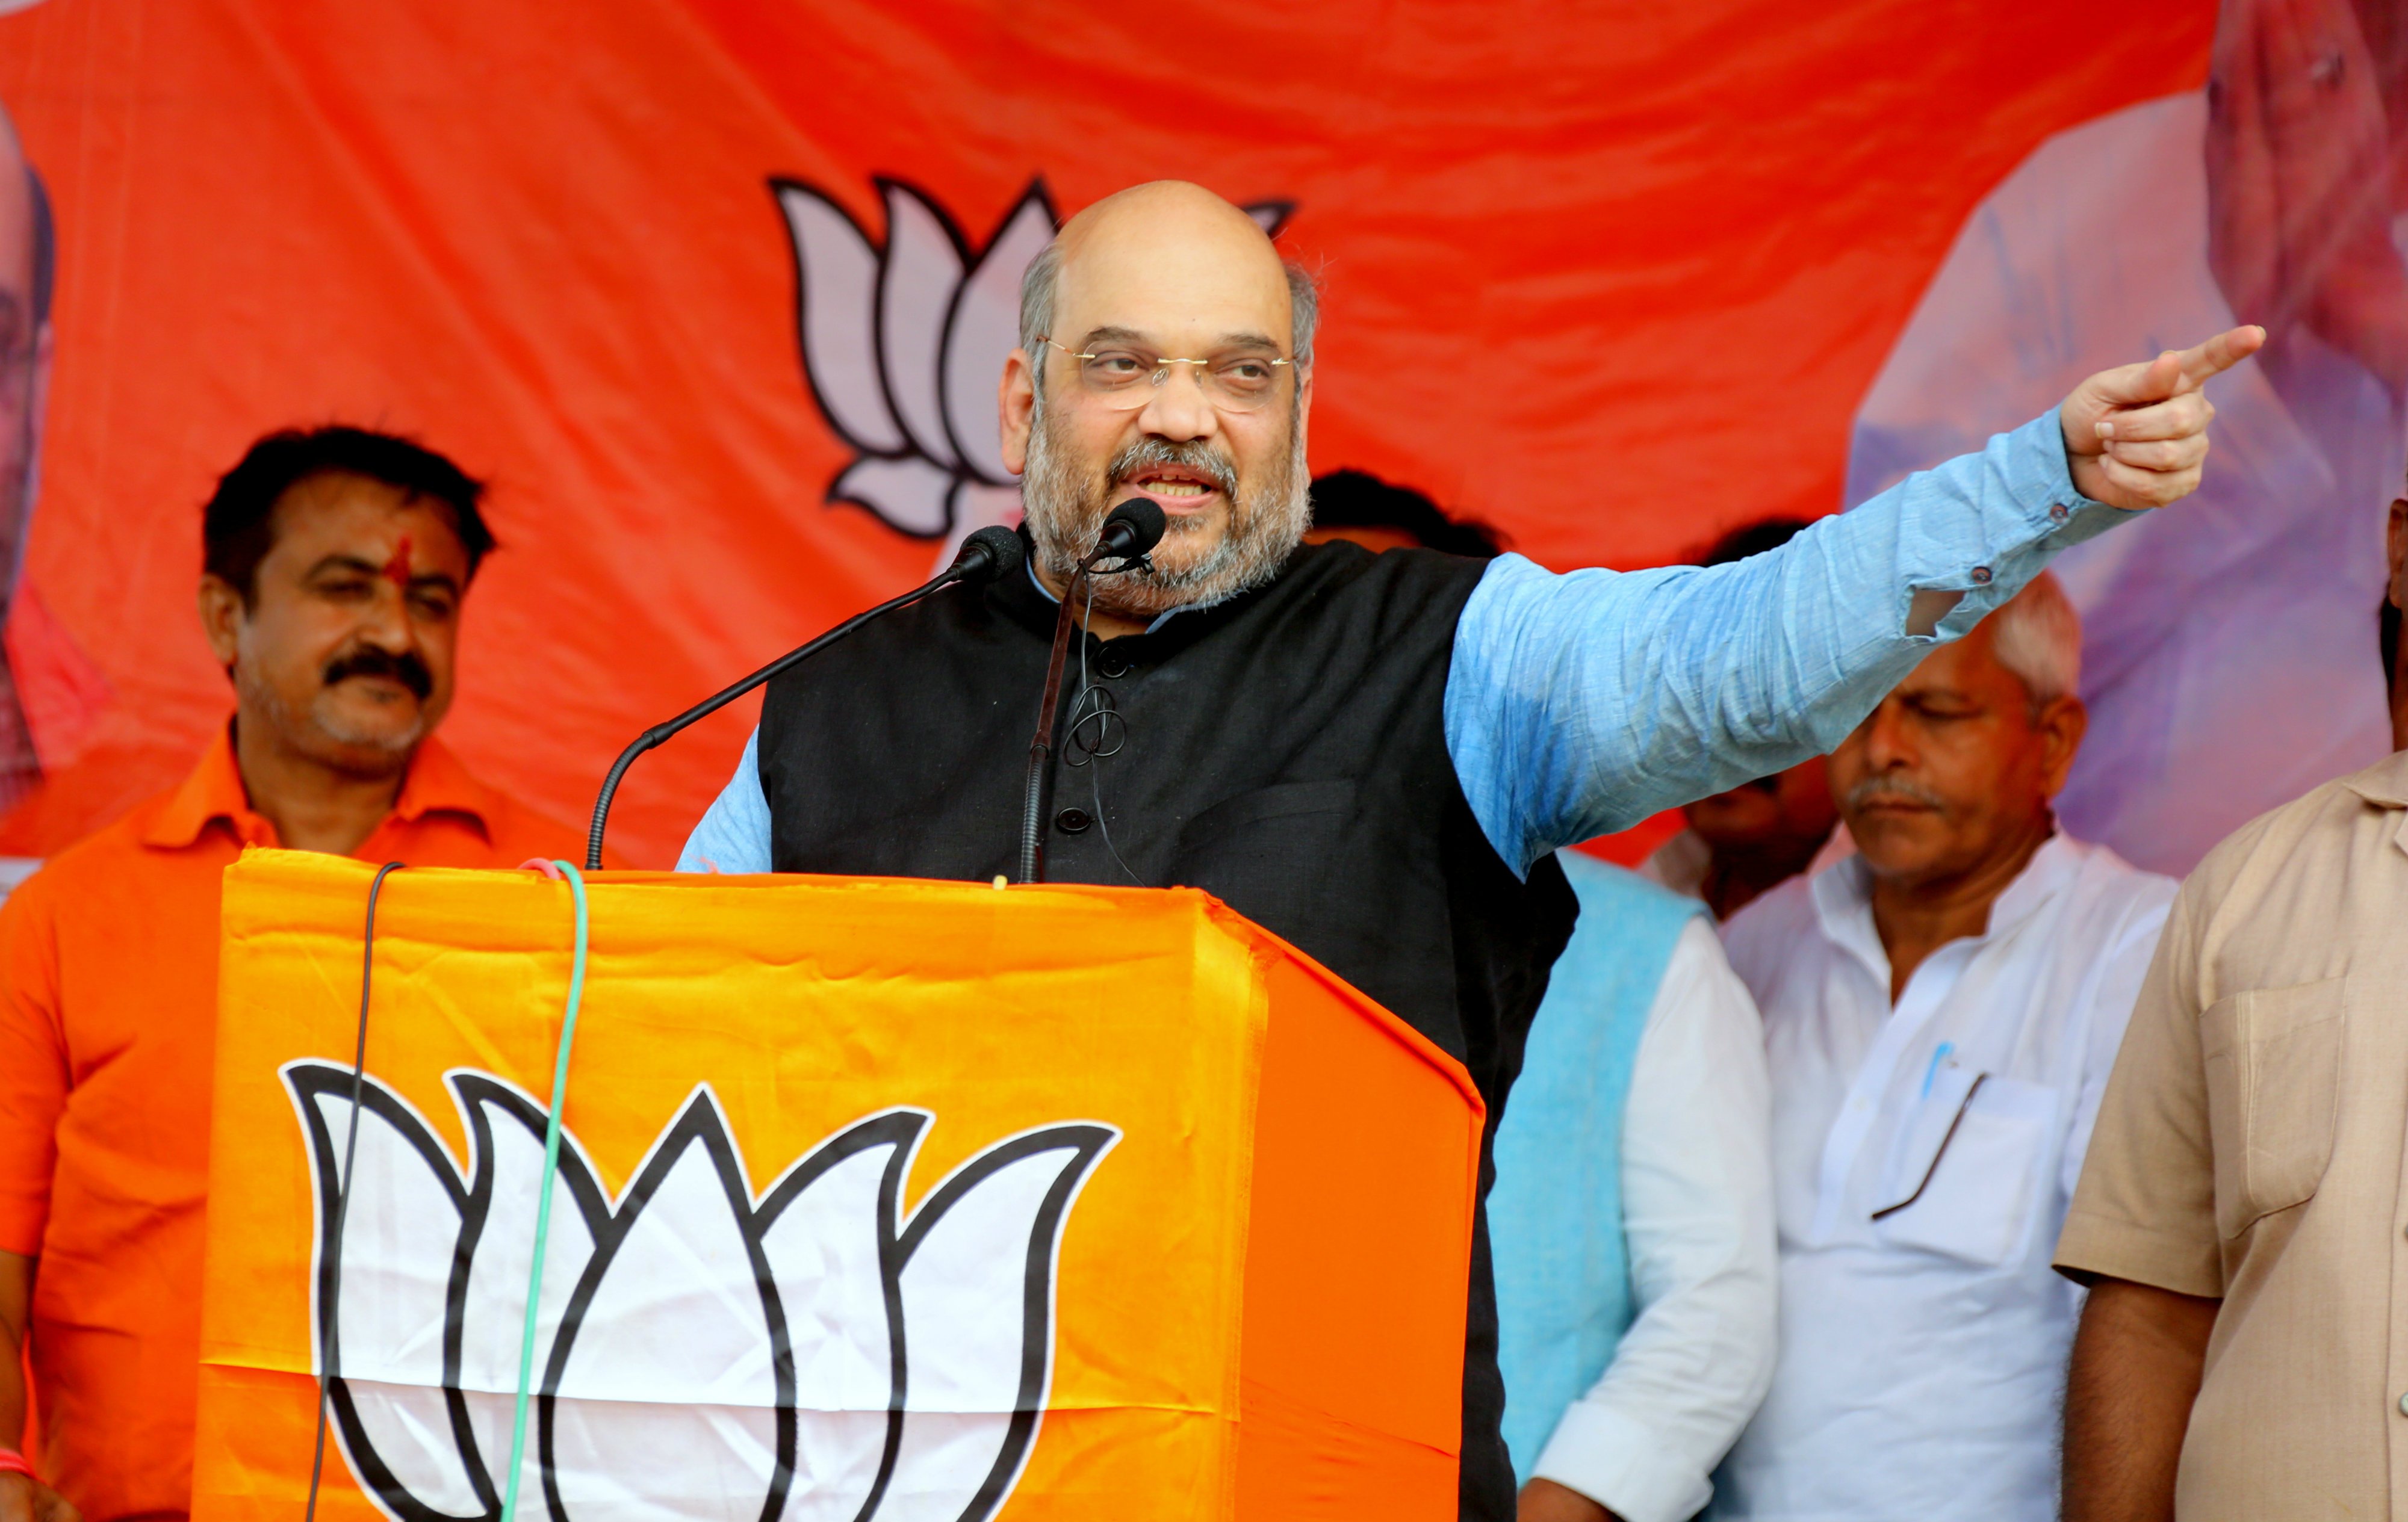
column 1947, row 1050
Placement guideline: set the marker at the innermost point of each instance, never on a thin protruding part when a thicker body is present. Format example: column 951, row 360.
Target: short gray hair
column 1037, row 286
column 2038, row 638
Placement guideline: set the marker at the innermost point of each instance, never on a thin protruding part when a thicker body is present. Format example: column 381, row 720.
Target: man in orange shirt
column 336, row 562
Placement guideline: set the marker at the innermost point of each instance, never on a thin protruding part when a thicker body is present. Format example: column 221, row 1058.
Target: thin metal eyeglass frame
column 1162, row 363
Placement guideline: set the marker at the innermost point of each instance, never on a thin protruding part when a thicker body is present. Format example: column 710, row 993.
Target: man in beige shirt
column 2242, row 1214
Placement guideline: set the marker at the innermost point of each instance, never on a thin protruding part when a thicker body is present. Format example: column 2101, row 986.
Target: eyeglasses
column 1124, row 378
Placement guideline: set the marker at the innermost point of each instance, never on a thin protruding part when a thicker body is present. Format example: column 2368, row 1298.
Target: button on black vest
column 1284, row 751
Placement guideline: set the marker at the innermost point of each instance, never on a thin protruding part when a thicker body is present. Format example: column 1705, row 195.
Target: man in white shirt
column 1631, row 1223
column 1940, row 1015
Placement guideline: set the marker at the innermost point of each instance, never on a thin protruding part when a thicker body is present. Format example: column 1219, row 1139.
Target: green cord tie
column 543, row 1198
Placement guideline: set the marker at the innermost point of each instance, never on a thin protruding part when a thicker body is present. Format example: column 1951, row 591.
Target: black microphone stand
column 986, row 555
column 1129, row 535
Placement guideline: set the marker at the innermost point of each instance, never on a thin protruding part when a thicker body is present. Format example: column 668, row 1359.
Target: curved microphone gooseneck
column 1130, row 532
column 988, row 555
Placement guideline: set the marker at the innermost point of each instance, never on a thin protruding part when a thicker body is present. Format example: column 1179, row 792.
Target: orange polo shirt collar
column 213, row 792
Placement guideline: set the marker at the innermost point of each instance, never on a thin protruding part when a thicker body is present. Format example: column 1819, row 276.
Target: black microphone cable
column 334, row 1268
column 1129, row 535
column 1094, row 705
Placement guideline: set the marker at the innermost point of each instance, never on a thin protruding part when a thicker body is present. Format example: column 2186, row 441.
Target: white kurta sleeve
column 1696, row 1193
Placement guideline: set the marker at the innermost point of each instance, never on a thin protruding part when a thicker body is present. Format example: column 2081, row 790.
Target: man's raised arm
column 1580, row 704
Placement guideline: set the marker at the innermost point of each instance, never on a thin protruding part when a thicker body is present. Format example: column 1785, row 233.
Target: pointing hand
column 2136, row 435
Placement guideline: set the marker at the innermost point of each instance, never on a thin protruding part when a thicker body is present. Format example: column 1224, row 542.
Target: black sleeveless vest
column 1284, row 751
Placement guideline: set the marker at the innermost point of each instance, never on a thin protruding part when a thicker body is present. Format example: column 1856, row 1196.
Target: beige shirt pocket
column 2273, row 1060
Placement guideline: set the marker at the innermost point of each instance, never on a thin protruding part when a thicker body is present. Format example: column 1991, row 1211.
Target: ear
column 221, row 616
column 2061, row 725
column 1016, row 398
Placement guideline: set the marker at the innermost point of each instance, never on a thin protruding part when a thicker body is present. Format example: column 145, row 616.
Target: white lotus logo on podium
column 904, row 344
column 811, row 1354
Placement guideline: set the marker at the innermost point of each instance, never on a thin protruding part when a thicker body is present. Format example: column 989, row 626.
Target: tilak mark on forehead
column 396, row 570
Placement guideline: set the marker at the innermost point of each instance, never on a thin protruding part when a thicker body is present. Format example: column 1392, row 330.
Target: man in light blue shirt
column 1372, row 755
column 1579, row 704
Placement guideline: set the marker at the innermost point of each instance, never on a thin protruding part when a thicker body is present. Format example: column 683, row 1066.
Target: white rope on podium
column 555, row 869
column 543, row 1198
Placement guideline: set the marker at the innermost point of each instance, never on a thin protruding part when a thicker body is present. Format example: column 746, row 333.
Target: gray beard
column 1066, row 516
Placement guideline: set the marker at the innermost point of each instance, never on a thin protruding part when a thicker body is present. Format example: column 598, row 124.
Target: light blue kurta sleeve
column 734, row 834
column 1579, row 704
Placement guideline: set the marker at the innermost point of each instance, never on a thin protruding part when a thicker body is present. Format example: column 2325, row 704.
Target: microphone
column 988, row 555
column 991, row 554
column 1129, row 534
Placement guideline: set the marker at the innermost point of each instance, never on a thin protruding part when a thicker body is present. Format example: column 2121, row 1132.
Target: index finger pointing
column 2219, row 354
column 2177, row 417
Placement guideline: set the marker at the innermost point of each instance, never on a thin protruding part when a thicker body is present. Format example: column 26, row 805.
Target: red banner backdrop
column 1613, row 278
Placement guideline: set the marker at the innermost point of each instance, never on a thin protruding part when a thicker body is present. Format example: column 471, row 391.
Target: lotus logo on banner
column 903, row 347
column 811, row 1354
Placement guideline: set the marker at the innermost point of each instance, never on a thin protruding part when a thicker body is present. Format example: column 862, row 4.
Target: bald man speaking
column 1374, row 756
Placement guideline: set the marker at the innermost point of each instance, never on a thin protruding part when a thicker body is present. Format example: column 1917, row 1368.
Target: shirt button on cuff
column 1981, row 575
column 2057, row 512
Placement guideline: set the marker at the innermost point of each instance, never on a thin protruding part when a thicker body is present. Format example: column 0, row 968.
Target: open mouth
column 1178, row 488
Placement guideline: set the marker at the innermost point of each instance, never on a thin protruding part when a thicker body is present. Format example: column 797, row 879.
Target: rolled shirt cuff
column 2043, row 515
column 1624, row 1466
column 2065, row 517
column 2094, row 1246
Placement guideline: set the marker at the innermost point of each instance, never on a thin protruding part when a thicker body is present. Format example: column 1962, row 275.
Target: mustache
column 405, row 667
column 1889, row 789
column 1192, row 454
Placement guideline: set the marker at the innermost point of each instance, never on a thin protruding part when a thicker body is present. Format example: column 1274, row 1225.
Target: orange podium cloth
column 876, row 1197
